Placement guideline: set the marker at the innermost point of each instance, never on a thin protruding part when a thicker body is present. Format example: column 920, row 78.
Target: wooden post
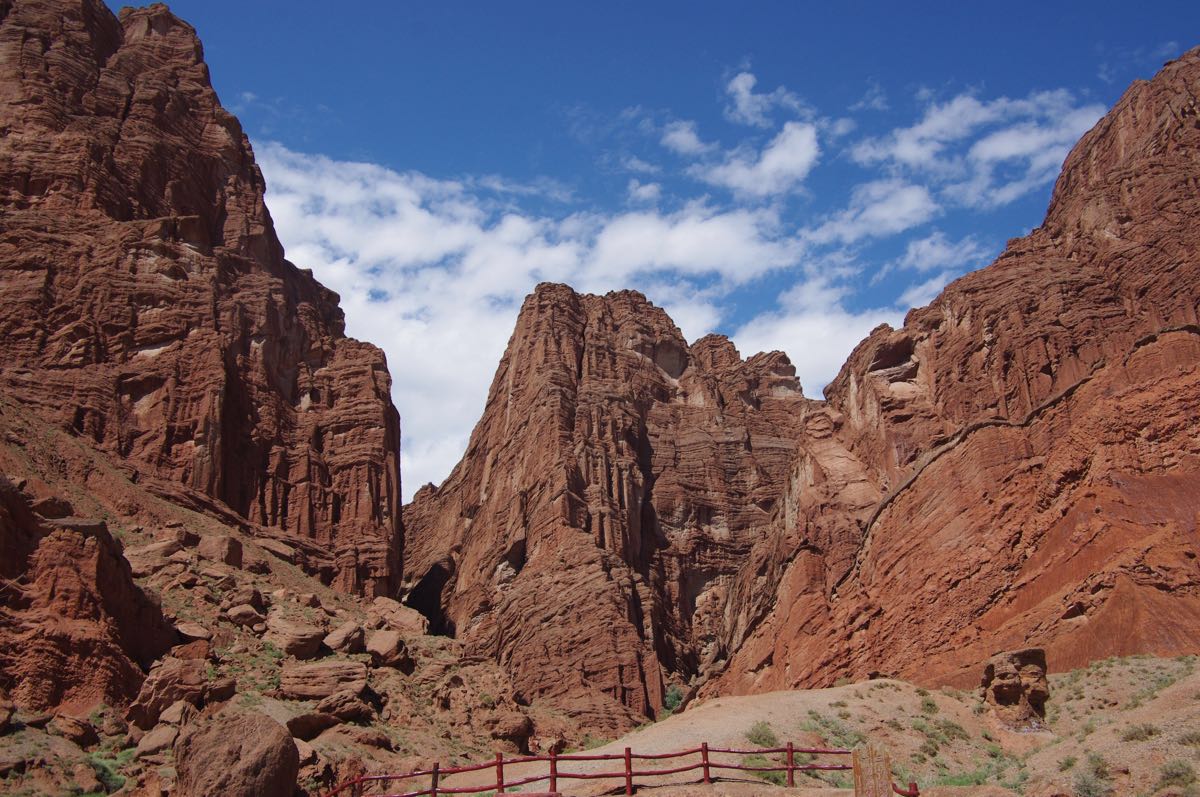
column 436, row 777
column 628, row 771
column 872, row 772
column 499, row 773
column 791, row 765
column 704, row 759
column 553, row 770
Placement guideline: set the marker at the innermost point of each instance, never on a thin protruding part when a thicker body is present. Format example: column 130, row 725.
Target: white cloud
column 635, row 164
column 681, row 137
column 873, row 100
column 434, row 272
column 922, row 293
column 750, row 108
column 815, row 329
column 878, row 208
column 984, row 153
column 643, row 192
column 936, row 251
column 780, row 167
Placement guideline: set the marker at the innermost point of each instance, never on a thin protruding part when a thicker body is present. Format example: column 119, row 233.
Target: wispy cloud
column 984, row 153
column 748, row 107
column 780, row 167
column 681, row 137
column 878, row 208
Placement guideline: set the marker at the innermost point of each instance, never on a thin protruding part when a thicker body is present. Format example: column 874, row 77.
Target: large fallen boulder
column 322, row 679
column 236, row 755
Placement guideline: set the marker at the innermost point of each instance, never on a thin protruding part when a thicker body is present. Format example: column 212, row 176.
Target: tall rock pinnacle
column 148, row 305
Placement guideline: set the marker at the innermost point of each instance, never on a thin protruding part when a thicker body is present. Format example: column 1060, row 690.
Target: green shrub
column 1066, row 763
column 1139, row 733
column 777, row 778
column 673, row 697
column 1176, row 773
column 1190, row 738
column 761, row 735
column 1088, row 785
column 929, row 706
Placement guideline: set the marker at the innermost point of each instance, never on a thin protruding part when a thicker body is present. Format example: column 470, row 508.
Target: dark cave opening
column 426, row 598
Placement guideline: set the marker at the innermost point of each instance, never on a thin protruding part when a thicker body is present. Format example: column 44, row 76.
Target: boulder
column 1015, row 687
column 310, row 724
column 160, row 739
column 189, row 630
column 7, row 710
column 236, row 755
column 220, row 548
column 389, row 613
column 146, row 560
column 78, row 731
column 320, row 680
column 387, row 649
column 244, row 615
column 169, row 681
column 346, row 638
column 293, row 637
column 347, row 707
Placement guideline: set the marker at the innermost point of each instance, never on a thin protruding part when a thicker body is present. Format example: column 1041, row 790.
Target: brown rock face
column 240, row 755
column 76, row 630
column 1032, row 432
column 612, row 489
column 148, row 305
column 1017, row 465
column 1014, row 685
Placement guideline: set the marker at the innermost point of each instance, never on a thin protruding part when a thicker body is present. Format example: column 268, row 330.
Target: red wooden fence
column 358, row 786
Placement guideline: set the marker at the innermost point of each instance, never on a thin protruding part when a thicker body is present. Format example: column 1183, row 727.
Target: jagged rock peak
column 149, row 305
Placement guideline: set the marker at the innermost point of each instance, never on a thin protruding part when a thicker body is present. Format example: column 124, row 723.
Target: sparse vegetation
column 929, row 706
column 1095, row 779
column 756, row 760
column 1176, row 773
column 1139, row 733
column 1067, row 763
column 673, row 698
column 762, row 735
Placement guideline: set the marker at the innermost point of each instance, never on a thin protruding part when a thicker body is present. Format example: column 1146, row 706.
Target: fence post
column 628, row 771
column 704, row 760
column 553, row 770
column 436, row 776
column 791, row 765
column 499, row 773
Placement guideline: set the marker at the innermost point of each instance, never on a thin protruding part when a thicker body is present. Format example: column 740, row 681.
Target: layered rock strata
column 148, row 305
column 1017, row 465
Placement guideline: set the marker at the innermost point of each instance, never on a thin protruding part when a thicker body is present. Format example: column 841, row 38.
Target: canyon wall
column 148, row 304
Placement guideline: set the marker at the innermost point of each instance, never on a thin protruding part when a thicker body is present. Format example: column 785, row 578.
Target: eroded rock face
column 1030, row 433
column 1015, row 687
column 608, row 496
column 148, row 306
column 1016, row 465
column 78, row 631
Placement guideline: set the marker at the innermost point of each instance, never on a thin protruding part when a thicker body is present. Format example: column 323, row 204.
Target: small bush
column 1088, row 785
column 1067, row 763
column 1176, row 773
column 673, row 698
column 761, row 735
column 1139, row 733
column 929, row 706
column 1190, row 738
column 777, row 778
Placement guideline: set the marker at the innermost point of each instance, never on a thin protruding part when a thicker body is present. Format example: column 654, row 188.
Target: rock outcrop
column 75, row 630
column 1017, row 465
column 611, row 491
column 148, row 305
column 241, row 755
column 1015, row 688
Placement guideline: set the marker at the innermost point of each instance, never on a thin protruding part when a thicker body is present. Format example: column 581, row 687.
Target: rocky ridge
column 1017, row 465
column 149, row 307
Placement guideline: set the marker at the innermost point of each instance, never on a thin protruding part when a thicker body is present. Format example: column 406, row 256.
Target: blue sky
column 790, row 174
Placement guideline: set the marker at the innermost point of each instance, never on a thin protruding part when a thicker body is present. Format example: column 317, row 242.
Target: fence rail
column 357, row 787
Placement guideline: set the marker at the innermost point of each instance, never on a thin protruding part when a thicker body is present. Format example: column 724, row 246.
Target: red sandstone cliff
column 148, row 305
column 1017, row 465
